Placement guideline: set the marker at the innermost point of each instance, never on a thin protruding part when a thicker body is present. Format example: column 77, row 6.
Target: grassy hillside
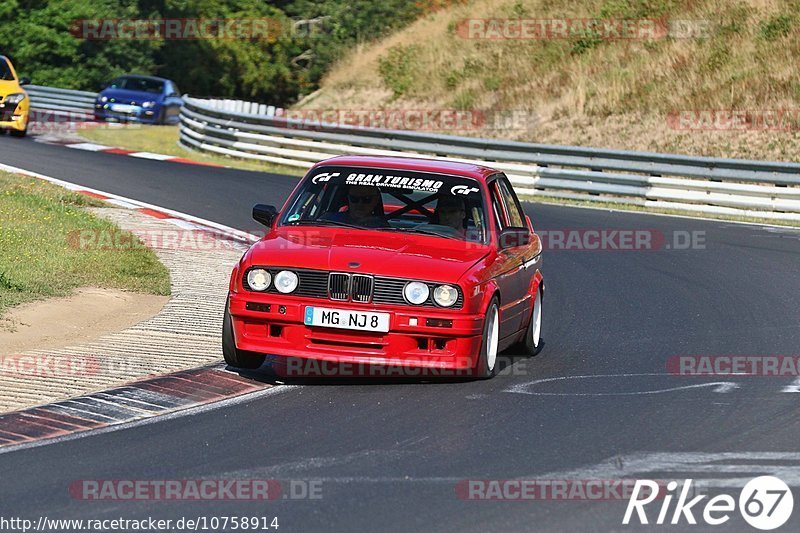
column 589, row 90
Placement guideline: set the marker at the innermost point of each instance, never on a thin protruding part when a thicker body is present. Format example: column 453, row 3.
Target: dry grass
column 611, row 93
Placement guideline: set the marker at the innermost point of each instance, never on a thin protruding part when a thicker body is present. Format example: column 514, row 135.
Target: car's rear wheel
column 487, row 358
column 233, row 356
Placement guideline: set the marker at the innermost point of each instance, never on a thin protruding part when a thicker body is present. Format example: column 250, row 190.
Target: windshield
column 5, row 71
column 146, row 85
column 390, row 200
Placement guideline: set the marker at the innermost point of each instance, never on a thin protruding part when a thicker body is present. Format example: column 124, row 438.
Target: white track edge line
column 239, row 234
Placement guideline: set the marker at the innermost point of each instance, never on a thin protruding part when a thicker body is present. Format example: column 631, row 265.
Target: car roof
column 410, row 163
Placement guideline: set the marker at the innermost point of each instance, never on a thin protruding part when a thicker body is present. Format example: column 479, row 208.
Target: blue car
column 145, row 99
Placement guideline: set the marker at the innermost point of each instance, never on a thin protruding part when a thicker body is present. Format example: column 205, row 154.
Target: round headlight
column 445, row 295
column 104, row 99
column 148, row 104
column 286, row 281
column 259, row 279
column 416, row 293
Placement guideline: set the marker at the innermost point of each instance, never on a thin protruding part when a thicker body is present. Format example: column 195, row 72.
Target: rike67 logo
column 765, row 503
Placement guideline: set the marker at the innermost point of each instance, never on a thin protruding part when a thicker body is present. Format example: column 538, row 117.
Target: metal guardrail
column 700, row 184
column 65, row 101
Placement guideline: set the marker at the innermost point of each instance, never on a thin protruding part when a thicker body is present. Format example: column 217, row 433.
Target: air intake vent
column 339, row 286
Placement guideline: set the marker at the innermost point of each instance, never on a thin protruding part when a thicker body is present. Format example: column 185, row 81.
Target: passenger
column 451, row 211
column 364, row 208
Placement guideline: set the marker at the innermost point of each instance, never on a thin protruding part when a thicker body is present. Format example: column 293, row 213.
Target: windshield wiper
column 323, row 222
column 422, row 231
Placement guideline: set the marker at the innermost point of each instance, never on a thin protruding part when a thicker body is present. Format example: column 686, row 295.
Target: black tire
column 19, row 134
column 234, row 357
column 486, row 369
column 161, row 119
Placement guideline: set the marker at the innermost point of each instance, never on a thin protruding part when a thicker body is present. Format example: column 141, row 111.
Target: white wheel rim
column 536, row 330
column 493, row 332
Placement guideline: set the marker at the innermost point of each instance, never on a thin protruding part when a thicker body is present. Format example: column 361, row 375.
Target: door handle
column 532, row 261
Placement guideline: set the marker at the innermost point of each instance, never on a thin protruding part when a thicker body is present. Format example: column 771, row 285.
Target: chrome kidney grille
column 339, row 286
column 361, row 288
column 350, row 287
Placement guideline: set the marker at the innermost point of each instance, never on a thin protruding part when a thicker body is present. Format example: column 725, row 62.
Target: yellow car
column 14, row 101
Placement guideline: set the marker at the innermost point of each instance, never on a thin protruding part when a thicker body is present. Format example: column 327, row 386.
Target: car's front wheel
column 233, row 356
column 19, row 133
column 487, row 358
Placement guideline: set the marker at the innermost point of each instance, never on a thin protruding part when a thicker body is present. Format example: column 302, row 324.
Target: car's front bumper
column 13, row 116
column 105, row 112
column 278, row 329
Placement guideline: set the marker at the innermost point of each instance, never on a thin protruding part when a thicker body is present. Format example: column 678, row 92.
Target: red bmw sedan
column 386, row 261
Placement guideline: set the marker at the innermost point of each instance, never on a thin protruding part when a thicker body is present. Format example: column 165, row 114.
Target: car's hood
column 382, row 253
column 9, row 87
column 126, row 96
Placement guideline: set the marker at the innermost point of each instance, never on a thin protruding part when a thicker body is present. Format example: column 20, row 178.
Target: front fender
column 488, row 291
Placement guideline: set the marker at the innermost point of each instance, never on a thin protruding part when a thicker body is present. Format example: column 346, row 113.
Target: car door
column 511, row 270
column 529, row 253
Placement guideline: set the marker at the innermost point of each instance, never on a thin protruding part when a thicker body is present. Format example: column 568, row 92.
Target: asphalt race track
column 391, row 454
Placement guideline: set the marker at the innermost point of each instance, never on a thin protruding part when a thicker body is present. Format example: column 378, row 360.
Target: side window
column 516, row 218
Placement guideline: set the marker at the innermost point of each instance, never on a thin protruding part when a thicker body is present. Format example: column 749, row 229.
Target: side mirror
column 24, row 80
column 265, row 214
column 514, row 237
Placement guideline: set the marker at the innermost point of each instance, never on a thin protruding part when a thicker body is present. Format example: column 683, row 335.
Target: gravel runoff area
column 184, row 334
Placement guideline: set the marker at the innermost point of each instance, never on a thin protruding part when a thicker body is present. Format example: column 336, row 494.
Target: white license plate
column 122, row 108
column 343, row 319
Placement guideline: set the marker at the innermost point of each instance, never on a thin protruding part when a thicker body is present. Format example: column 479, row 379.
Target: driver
column 451, row 211
column 363, row 207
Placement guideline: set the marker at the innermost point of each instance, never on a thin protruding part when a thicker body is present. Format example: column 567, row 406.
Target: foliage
column 397, row 68
column 305, row 37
